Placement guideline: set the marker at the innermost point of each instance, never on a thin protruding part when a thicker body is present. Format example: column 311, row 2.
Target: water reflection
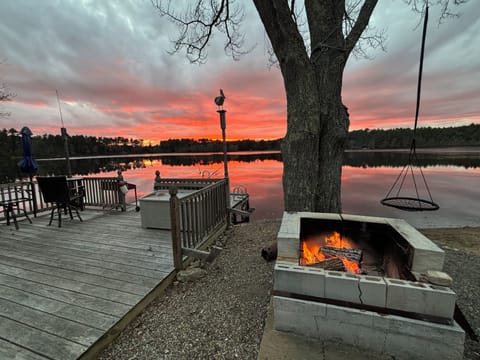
column 367, row 176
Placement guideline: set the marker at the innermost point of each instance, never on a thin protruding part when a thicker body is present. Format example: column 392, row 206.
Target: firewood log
column 269, row 253
column 335, row 264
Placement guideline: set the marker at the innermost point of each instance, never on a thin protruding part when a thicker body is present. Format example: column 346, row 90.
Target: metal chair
column 55, row 190
column 13, row 200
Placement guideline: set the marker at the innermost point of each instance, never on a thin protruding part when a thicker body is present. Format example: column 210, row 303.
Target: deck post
column 175, row 225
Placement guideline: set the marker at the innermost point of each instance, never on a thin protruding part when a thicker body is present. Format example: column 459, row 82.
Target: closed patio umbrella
column 28, row 164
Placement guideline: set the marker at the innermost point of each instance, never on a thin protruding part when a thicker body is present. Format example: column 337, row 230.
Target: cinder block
column 288, row 246
column 439, row 278
column 365, row 219
column 420, row 298
column 426, row 255
column 318, row 215
column 290, row 223
column 342, row 286
column 351, row 326
column 396, row 336
column 297, row 316
column 299, row 280
column 373, row 290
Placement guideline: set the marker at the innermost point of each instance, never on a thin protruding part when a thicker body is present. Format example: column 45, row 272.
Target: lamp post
column 221, row 112
column 219, row 102
column 223, row 126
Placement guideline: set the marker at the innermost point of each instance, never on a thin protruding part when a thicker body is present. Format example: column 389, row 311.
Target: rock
column 439, row 278
column 191, row 274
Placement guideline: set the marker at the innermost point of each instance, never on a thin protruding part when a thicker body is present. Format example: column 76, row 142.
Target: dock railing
column 198, row 217
column 98, row 191
column 24, row 190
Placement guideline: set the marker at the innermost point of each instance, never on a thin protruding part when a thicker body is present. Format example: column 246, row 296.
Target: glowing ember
column 312, row 254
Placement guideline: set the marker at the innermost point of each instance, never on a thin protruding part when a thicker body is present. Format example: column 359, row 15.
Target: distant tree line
column 424, row 137
column 49, row 146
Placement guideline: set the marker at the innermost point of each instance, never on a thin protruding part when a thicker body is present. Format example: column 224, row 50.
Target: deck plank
column 85, row 316
column 75, row 275
column 51, row 292
column 111, row 257
column 63, row 289
column 71, row 330
column 76, row 259
column 122, row 297
column 41, row 342
column 13, row 351
column 71, row 265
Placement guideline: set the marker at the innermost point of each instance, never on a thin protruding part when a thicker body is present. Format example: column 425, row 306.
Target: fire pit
column 362, row 281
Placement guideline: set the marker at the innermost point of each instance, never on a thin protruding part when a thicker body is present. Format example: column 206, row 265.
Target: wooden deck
column 62, row 290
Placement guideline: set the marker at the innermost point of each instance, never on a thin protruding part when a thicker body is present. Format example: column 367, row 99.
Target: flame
column 312, row 254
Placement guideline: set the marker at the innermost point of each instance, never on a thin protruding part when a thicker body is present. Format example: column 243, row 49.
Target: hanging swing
column 394, row 197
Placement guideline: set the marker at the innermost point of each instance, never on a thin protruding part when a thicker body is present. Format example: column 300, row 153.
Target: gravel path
column 221, row 316
column 464, row 268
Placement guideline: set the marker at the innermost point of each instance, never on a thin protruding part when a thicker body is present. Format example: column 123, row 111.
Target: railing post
column 175, row 226
column 34, row 198
column 227, row 204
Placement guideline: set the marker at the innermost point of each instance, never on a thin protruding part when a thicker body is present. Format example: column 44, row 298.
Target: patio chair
column 55, row 190
column 13, row 200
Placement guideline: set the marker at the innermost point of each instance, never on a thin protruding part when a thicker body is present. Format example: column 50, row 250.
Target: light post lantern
column 219, row 102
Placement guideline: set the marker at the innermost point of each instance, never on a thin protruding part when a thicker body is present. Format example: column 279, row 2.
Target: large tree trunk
column 317, row 120
column 313, row 146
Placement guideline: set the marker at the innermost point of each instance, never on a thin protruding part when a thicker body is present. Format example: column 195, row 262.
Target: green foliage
column 424, row 138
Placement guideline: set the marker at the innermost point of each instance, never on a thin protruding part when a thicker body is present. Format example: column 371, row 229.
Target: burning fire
column 312, row 253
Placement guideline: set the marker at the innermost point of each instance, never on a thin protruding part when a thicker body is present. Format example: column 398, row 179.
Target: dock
column 65, row 291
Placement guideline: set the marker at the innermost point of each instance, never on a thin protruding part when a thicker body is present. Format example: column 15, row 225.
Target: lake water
column 453, row 177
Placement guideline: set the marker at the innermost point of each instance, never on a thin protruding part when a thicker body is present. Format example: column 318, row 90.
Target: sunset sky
column 109, row 61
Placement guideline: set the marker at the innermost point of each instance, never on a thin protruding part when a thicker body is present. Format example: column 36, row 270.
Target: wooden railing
column 25, row 190
column 186, row 184
column 102, row 191
column 98, row 191
column 197, row 217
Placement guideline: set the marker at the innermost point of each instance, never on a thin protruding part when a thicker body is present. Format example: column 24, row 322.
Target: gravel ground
column 222, row 315
column 462, row 263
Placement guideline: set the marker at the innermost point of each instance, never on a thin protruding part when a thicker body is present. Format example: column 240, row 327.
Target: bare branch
column 298, row 15
column 5, row 95
column 360, row 24
column 446, row 7
column 197, row 24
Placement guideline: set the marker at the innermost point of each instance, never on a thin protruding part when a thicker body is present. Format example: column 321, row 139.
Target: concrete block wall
column 426, row 255
column 299, row 280
column 396, row 336
column 420, row 298
column 377, row 291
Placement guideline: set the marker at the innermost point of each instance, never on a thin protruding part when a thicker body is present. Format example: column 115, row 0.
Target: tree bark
column 317, row 120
